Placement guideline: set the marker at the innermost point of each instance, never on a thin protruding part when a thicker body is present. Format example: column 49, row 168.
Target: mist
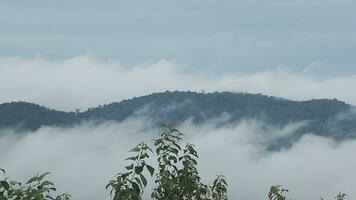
column 86, row 81
column 84, row 158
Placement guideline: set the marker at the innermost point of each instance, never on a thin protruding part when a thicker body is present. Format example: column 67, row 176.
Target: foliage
column 176, row 177
column 130, row 184
column 219, row 189
column 276, row 193
column 341, row 196
column 36, row 188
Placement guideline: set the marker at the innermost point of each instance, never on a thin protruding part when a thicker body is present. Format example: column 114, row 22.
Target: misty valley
column 252, row 133
column 326, row 118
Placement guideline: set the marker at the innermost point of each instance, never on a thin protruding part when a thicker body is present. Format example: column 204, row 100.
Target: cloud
column 314, row 167
column 239, row 35
column 86, row 81
column 82, row 159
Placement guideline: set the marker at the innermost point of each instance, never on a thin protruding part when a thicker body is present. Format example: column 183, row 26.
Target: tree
column 130, row 183
column 341, row 196
column 177, row 176
column 277, row 193
column 37, row 188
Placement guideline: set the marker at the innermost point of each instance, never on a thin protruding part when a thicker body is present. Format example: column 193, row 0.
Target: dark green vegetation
column 175, row 178
column 37, row 188
column 278, row 193
column 330, row 118
column 28, row 116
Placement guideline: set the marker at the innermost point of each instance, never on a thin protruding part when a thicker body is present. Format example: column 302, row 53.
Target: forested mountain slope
column 325, row 117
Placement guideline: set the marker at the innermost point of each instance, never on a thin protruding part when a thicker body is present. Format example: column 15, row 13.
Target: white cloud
column 85, row 81
column 82, row 159
column 314, row 167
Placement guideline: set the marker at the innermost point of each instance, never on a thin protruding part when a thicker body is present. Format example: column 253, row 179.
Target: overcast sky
column 310, row 36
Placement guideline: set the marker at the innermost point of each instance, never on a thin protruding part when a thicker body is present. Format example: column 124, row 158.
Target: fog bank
column 83, row 159
column 85, row 81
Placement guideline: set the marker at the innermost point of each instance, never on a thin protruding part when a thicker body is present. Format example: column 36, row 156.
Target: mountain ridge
column 326, row 117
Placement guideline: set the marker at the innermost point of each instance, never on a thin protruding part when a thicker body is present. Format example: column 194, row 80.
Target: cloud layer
column 237, row 35
column 82, row 159
column 85, row 81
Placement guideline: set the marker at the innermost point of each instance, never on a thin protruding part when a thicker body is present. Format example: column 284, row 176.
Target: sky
column 230, row 36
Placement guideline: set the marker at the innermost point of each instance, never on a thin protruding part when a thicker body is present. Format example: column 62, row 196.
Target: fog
column 84, row 158
column 86, row 81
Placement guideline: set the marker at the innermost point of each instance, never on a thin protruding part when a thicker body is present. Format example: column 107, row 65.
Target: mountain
column 330, row 118
column 28, row 116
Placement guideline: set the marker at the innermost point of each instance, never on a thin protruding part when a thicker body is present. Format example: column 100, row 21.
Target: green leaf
column 44, row 183
column 132, row 158
column 5, row 185
column 143, row 179
column 150, row 169
column 129, row 167
column 136, row 187
column 138, row 169
column 175, row 151
column 173, row 158
column 43, row 175
column 33, row 179
column 138, row 181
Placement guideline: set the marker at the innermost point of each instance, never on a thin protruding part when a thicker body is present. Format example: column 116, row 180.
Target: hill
column 331, row 118
column 24, row 116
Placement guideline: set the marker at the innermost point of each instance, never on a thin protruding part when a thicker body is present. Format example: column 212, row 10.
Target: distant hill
column 29, row 116
column 330, row 118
